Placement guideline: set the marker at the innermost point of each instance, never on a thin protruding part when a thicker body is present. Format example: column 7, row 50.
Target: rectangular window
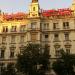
column 13, row 39
column 12, row 53
column 2, row 67
column 46, row 26
column 68, row 51
column 55, row 25
column 21, row 39
column 66, row 25
column 2, row 53
column 23, row 28
column 56, row 37
column 22, row 49
column 57, row 53
column 5, row 28
column 66, row 36
column 13, row 29
column 33, row 25
column 46, row 37
column 33, row 37
column 3, row 40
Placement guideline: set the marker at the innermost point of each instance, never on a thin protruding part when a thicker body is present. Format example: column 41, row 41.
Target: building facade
column 56, row 28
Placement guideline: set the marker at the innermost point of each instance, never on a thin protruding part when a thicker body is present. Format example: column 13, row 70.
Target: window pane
column 5, row 28
column 13, row 29
column 23, row 28
column 4, row 40
column 12, row 39
column 2, row 53
column 33, row 37
column 66, row 36
column 22, row 39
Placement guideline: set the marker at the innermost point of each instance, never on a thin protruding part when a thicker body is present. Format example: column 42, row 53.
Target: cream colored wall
column 40, row 34
column 36, row 12
column 61, row 32
column 9, row 34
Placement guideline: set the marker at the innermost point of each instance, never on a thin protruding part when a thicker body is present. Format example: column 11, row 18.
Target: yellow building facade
column 56, row 28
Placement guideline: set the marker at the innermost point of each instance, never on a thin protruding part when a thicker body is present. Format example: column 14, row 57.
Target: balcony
column 57, row 45
column 46, row 42
column 33, row 29
column 4, row 43
column 66, row 27
column 56, row 40
column 23, row 31
column 56, row 28
column 67, row 43
column 34, row 42
column 46, row 30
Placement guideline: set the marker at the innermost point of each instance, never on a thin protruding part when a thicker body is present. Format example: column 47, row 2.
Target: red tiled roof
column 18, row 15
column 58, row 12
column 45, row 13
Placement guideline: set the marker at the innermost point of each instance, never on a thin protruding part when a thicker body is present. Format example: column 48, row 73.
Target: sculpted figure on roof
column 34, row 1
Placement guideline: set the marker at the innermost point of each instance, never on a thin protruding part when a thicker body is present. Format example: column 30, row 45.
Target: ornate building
column 56, row 28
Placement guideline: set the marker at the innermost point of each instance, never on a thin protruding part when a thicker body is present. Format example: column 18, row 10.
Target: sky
column 12, row 6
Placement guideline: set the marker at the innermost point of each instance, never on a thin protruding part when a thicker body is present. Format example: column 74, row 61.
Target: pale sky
column 23, row 5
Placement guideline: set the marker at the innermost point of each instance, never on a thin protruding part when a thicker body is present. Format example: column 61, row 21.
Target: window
column 33, row 25
column 46, row 26
column 5, row 28
column 22, row 49
column 33, row 37
column 3, row 40
column 33, row 8
column 66, row 36
column 23, row 28
column 46, row 37
column 68, row 51
column 2, row 53
column 12, row 53
column 13, row 39
column 13, row 29
column 22, row 39
column 56, row 37
column 55, row 25
column 57, row 53
column 2, row 67
column 66, row 25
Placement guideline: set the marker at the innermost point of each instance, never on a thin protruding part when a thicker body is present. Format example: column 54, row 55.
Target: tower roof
column 34, row 1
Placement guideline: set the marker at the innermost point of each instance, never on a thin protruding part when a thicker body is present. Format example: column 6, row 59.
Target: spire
column 34, row 1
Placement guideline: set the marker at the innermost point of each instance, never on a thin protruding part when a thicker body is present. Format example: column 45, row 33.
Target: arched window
column 33, row 8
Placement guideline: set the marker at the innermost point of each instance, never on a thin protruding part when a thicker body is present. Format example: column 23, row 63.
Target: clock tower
column 34, row 9
column 73, row 6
